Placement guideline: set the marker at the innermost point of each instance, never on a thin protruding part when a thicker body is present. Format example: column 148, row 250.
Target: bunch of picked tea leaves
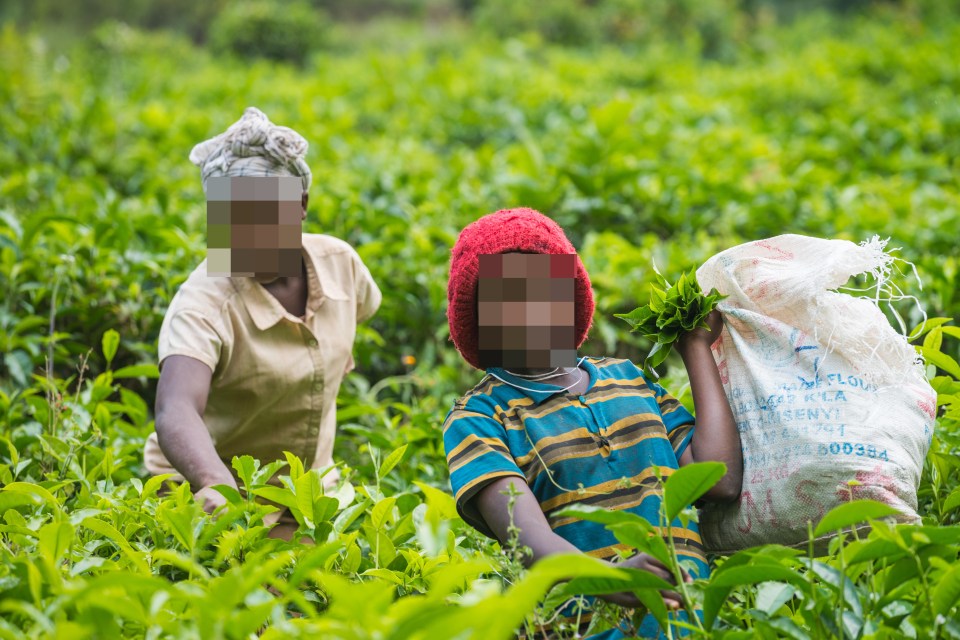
column 673, row 311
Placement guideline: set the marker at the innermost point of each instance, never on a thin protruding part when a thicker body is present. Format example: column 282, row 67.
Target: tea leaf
column 655, row 605
column 391, row 461
column 385, row 574
column 54, row 541
column 877, row 549
column 137, row 371
column 928, row 325
column 33, row 492
column 348, row 516
column 673, row 310
column 381, row 512
column 933, row 340
column 309, row 491
column 940, row 360
column 773, row 595
column 295, row 464
column 946, row 593
column 231, row 494
column 283, row 497
column 109, row 344
column 449, row 578
column 633, row 580
column 246, row 467
column 179, row 521
column 952, row 501
column 603, row 516
column 688, row 483
column 754, row 574
column 110, row 532
column 850, row 513
column 344, row 494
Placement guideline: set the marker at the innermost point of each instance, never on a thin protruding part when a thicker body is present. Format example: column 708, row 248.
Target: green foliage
column 674, row 310
column 899, row 579
column 711, row 27
column 287, row 31
column 841, row 129
column 663, row 161
column 187, row 16
column 851, row 513
column 366, row 9
column 565, row 22
column 89, row 548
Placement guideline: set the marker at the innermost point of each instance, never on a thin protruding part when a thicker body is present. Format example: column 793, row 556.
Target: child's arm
column 493, row 503
column 715, row 436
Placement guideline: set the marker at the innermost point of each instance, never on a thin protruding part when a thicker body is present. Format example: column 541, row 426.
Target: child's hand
column 701, row 335
column 715, row 437
column 650, row 564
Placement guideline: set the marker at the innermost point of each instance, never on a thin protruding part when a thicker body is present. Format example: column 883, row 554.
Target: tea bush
column 712, row 28
column 89, row 548
column 559, row 21
column 274, row 30
column 841, row 129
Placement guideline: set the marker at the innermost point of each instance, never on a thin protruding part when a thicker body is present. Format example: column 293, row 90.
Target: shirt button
column 582, row 399
column 312, row 342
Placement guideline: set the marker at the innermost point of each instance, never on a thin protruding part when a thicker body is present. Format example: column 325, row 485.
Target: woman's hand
column 647, row 563
column 210, row 499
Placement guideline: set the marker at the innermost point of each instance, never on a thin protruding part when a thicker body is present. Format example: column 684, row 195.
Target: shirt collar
column 540, row 391
column 266, row 311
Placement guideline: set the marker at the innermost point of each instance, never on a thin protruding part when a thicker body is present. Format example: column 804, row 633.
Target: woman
column 251, row 364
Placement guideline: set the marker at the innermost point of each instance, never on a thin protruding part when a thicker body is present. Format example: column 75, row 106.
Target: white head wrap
column 253, row 146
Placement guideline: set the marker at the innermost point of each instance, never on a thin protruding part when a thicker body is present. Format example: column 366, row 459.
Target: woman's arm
column 715, row 436
column 183, row 437
column 534, row 532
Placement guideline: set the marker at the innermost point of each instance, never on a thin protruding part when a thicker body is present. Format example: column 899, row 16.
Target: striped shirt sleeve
column 477, row 454
column 678, row 421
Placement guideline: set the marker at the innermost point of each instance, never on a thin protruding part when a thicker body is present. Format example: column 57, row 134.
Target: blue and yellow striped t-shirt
column 597, row 449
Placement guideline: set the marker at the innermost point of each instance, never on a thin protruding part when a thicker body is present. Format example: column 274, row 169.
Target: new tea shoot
column 673, row 310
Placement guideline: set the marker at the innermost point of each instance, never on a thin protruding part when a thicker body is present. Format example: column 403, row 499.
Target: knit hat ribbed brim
column 504, row 231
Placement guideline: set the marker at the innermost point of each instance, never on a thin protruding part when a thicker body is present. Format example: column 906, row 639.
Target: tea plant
column 91, row 550
column 843, row 128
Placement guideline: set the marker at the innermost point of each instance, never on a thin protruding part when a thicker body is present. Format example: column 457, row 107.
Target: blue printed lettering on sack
column 852, row 449
column 799, row 402
column 836, row 379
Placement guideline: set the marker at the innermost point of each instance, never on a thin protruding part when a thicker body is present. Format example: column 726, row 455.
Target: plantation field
column 834, row 127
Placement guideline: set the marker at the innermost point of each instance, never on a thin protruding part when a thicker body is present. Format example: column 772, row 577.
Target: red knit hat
column 504, row 231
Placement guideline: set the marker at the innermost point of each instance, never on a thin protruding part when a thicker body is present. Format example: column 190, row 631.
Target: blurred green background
column 656, row 132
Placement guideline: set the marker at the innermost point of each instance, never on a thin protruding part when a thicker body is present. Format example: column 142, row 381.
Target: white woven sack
column 824, row 391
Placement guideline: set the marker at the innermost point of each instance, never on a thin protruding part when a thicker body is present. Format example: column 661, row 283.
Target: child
column 561, row 429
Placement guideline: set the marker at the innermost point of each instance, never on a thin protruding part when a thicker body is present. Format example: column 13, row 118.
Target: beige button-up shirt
column 275, row 376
